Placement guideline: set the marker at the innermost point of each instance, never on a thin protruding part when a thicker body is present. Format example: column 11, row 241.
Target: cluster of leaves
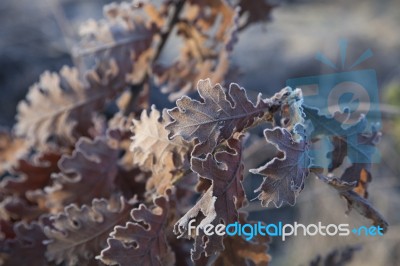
column 83, row 188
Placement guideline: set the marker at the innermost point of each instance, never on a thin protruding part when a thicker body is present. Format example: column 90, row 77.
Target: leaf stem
column 136, row 88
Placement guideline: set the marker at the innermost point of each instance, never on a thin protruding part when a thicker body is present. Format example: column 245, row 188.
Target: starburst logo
column 353, row 93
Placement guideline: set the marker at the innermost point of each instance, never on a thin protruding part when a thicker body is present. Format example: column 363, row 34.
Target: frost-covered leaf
column 284, row 176
column 363, row 207
column 163, row 176
column 219, row 115
column 337, row 183
column 150, row 142
column 26, row 248
column 221, row 202
column 88, row 173
column 355, row 200
column 143, row 241
column 59, row 108
column 77, row 235
column 154, row 151
column 125, row 35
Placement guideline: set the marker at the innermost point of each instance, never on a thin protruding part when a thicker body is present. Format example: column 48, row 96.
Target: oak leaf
column 150, row 142
column 126, row 35
column 153, row 151
column 26, row 248
column 88, row 173
column 354, row 200
column 217, row 117
column 142, row 241
column 59, row 108
column 77, row 235
column 284, row 177
column 221, row 202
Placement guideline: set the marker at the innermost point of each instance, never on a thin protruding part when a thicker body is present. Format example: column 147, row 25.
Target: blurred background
column 38, row 35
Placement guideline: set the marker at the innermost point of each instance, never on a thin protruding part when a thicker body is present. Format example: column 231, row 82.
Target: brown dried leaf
column 222, row 200
column 26, row 248
column 142, row 241
column 362, row 206
column 355, row 201
column 59, row 109
column 130, row 180
column 217, row 117
column 126, row 35
column 77, row 235
column 284, row 177
column 88, row 173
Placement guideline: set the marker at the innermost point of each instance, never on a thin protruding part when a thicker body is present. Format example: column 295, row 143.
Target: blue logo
column 354, row 92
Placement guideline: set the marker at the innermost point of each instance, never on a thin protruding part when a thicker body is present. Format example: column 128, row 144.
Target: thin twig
column 164, row 38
